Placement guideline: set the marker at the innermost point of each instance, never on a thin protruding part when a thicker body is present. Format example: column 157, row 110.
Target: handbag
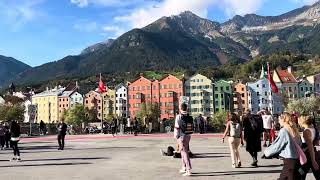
column 302, row 157
column 15, row 138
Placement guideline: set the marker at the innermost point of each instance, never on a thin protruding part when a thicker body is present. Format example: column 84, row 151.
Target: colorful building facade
column 223, row 96
column 47, row 105
column 199, row 89
column 260, row 97
column 240, row 97
column 93, row 100
column 306, row 88
column 121, row 100
column 286, row 82
column 315, row 81
column 170, row 90
column 109, row 104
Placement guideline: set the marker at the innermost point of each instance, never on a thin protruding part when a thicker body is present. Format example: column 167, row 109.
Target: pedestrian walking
column 135, row 126
column 42, row 128
column 308, row 145
column 15, row 138
column 2, row 136
column 113, row 126
column 183, row 129
column 252, row 128
column 234, row 131
column 200, row 124
column 268, row 127
column 285, row 145
column 129, row 125
column 62, row 131
column 7, row 135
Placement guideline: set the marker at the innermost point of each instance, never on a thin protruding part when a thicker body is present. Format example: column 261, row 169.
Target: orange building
column 139, row 92
column 64, row 102
column 240, row 97
column 165, row 93
column 93, row 100
column 171, row 88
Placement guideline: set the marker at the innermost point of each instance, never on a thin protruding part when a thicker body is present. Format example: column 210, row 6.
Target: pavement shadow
column 46, row 164
column 233, row 173
column 204, row 157
column 65, row 159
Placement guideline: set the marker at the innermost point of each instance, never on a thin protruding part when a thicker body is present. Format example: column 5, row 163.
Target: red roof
column 286, row 77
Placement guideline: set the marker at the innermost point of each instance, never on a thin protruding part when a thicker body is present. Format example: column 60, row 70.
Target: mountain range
column 186, row 42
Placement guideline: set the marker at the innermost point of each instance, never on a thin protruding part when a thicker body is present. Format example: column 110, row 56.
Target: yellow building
column 47, row 105
column 109, row 103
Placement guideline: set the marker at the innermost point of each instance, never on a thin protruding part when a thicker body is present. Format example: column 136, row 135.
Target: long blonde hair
column 290, row 125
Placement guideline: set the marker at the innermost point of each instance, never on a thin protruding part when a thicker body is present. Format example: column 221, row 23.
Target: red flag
column 272, row 83
column 101, row 87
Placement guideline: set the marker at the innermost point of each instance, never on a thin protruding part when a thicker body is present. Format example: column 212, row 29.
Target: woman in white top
column 308, row 138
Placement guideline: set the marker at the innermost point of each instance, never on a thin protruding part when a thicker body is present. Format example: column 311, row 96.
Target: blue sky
column 40, row 31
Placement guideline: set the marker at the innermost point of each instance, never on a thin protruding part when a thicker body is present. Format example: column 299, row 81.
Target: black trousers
column 290, row 170
column 7, row 138
column 15, row 148
column 306, row 168
column 2, row 141
column 113, row 130
column 254, row 155
column 61, row 141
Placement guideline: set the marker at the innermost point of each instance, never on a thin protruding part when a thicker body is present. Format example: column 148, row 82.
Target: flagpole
column 270, row 94
column 102, row 114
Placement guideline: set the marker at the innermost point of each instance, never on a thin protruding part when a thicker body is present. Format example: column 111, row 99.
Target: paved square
column 101, row 157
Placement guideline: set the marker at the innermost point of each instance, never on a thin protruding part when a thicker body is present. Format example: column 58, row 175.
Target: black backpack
column 187, row 126
column 256, row 123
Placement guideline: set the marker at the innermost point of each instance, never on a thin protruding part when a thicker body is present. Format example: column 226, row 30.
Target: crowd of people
column 295, row 143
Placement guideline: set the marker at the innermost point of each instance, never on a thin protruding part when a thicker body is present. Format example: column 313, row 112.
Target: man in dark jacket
column 62, row 130
column 252, row 135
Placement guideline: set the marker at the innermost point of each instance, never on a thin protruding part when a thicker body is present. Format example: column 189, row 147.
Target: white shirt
column 267, row 121
column 129, row 122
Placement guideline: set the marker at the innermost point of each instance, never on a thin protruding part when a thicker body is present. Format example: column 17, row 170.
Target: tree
column 305, row 106
column 150, row 110
column 10, row 112
column 219, row 120
column 76, row 115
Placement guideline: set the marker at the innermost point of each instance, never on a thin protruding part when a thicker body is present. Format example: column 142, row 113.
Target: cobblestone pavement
column 101, row 157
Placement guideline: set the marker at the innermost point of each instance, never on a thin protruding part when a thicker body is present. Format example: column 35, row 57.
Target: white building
column 121, row 100
column 76, row 98
column 260, row 97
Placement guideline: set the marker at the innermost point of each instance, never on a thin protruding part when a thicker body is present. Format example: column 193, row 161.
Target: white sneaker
column 188, row 173
column 182, row 171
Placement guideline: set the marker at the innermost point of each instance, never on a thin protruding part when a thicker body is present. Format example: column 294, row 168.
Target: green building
column 223, row 97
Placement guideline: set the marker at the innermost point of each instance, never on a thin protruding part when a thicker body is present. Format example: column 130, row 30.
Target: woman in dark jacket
column 15, row 137
column 252, row 137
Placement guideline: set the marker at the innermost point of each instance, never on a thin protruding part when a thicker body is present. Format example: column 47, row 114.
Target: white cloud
column 86, row 26
column 18, row 13
column 106, row 3
column 236, row 7
column 115, row 30
column 80, row 3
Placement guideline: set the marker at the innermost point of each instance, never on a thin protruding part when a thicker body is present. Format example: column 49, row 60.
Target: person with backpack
column 183, row 129
column 234, row 129
column 253, row 128
column 308, row 146
column 15, row 138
